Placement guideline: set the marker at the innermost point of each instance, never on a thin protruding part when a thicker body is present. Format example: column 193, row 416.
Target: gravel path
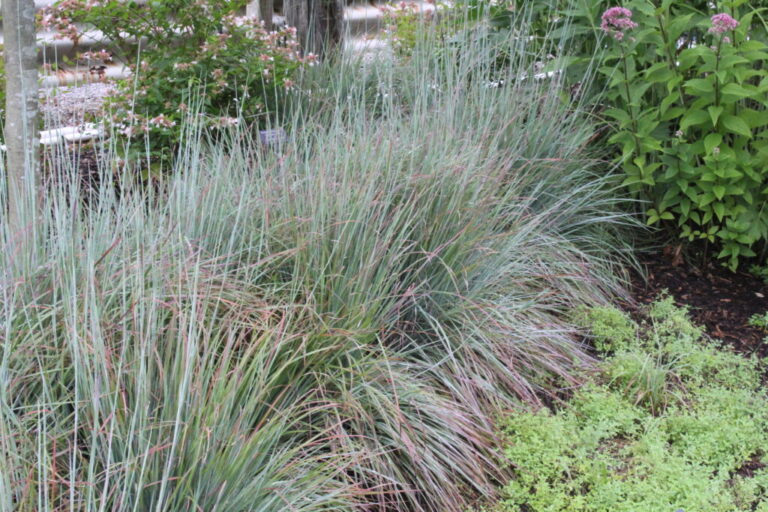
column 73, row 105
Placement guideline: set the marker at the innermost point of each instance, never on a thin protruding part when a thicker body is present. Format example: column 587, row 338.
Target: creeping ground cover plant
column 689, row 92
column 671, row 422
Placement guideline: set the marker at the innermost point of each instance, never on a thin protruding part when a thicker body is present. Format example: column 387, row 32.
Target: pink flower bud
column 722, row 23
column 616, row 21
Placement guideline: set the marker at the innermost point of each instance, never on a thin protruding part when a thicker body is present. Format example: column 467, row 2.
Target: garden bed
column 721, row 300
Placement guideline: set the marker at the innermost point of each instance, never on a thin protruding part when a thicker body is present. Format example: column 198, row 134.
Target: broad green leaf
column 685, row 206
column 673, row 113
column 693, row 118
column 736, row 125
column 707, row 198
column 689, row 56
column 620, row 115
column 700, row 85
column 714, row 113
column 719, row 210
column 729, row 61
column 668, row 101
column 662, row 74
column 712, row 141
column 678, row 25
column 752, row 45
column 736, row 90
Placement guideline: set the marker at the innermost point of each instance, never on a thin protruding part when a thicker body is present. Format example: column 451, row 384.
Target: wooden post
column 318, row 23
column 21, row 113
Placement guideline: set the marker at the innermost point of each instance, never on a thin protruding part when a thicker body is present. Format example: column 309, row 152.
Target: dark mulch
column 65, row 158
column 719, row 299
column 750, row 467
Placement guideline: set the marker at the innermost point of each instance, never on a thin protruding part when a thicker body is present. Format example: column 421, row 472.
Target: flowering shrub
column 405, row 22
column 689, row 96
column 230, row 66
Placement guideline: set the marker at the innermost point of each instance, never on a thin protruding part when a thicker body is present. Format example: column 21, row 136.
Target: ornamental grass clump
column 333, row 325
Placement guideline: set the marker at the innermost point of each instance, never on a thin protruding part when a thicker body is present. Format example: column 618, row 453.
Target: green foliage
column 403, row 24
column 610, row 329
column 688, row 108
column 569, row 29
column 760, row 321
column 192, row 55
column 760, row 272
column 490, row 26
column 700, row 446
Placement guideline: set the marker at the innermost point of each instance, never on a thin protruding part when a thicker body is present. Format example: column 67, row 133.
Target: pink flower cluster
column 722, row 23
column 616, row 21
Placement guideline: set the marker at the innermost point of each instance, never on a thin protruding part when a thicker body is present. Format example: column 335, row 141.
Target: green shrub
column 686, row 107
column 689, row 97
column 611, row 449
column 198, row 56
column 403, row 23
column 454, row 24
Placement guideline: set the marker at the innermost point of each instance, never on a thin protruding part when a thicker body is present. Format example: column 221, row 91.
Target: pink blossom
column 47, row 20
column 722, row 23
column 616, row 21
column 225, row 122
column 162, row 121
column 102, row 55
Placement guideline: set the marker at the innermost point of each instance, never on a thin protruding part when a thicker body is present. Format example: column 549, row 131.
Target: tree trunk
column 263, row 9
column 21, row 135
column 318, row 23
column 267, row 8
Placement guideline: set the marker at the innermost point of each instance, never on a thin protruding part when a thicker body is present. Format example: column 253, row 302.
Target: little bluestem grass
column 331, row 324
